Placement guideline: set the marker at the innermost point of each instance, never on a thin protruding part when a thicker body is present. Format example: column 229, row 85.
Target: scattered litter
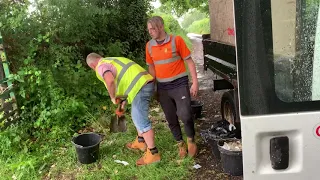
column 161, row 115
column 220, row 130
column 121, row 162
column 202, row 119
column 197, row 166
column 202, row 151
column 232, row 127
column 14, row 177
column 179, row 161
column 156, row 109
column 232, row 146
column 114, row 156
column 110, row 142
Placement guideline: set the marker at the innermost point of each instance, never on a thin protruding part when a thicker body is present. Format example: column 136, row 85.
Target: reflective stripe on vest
column 135, row 82
column 174, row 58
column 125, row 67
column 172, row 78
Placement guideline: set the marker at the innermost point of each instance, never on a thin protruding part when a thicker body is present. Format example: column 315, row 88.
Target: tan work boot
column 182, row 149
column 142, row 146
column 148, row 158
column 192, row 148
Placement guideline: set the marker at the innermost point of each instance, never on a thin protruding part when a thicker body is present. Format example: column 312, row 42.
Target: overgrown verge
column 57, row 93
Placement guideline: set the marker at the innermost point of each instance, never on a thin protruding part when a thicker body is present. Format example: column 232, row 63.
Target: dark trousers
column 177, row 103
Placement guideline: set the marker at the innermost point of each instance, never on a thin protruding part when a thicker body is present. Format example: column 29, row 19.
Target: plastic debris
column 202, row 119
column 14, row 177
column 220, row 130
column 232, row 146
column 232, row 127
column 197, row 166
column 121, row 162
column 156, row 109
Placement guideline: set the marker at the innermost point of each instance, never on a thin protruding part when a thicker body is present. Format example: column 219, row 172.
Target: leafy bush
column 57, row 93
column 172, row 27
column 192, row 16
column 179, row 7
column 200, row 27
column 49, row 46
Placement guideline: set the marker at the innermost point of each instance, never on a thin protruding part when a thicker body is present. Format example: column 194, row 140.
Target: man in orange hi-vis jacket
column 166, row 56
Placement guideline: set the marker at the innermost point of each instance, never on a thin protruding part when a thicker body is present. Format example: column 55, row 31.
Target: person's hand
column 119, row 113
column 119, row 100
column 194, row 89
column 123, row 104
column 114, row 101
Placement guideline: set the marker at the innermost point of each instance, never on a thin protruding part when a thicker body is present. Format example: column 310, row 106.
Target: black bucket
column 214, row 147
column 218, row 132
column 87, row 147
column 231, row 160
column 196, row 107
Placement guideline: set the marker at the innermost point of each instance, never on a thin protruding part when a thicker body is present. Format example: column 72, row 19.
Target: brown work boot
column 142, row 146
column 148, row 158
column 192, row 148
column 182, row 149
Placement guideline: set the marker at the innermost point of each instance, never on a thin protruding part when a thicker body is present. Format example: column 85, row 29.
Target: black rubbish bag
column 218, row 131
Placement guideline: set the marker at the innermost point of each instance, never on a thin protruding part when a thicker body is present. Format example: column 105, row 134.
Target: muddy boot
column 192, row 148
column 149, row 157
column 182, row 149
column 137, row 144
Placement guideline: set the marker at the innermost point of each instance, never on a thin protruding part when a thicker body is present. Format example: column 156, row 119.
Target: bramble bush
column 57, row 92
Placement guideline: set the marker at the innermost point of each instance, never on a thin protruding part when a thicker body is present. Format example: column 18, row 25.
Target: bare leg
column 149, row 138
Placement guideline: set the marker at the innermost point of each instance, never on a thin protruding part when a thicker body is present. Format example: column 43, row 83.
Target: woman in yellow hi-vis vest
column 123, row 77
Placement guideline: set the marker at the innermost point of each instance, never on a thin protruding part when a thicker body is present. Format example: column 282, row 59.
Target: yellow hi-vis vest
column 130, row 77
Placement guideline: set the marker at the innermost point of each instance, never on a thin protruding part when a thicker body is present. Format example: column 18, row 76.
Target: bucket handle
column 101, row 137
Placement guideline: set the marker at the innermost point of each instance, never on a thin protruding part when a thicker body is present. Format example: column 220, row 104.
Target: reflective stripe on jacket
column 130, row 77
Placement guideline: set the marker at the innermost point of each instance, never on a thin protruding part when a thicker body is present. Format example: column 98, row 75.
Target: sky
column 156, row 4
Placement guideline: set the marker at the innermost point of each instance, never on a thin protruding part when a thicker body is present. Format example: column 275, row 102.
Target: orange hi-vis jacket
column 168, row 58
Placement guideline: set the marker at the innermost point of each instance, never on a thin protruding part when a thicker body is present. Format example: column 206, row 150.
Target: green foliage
column 49, row 47
column 172, row 27
column 170, row 166
column 57, row 93
column 192, row 16
column 179, row 7
column 200, row 27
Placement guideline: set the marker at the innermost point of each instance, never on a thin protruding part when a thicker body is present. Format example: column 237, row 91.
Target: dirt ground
column 210, row 166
